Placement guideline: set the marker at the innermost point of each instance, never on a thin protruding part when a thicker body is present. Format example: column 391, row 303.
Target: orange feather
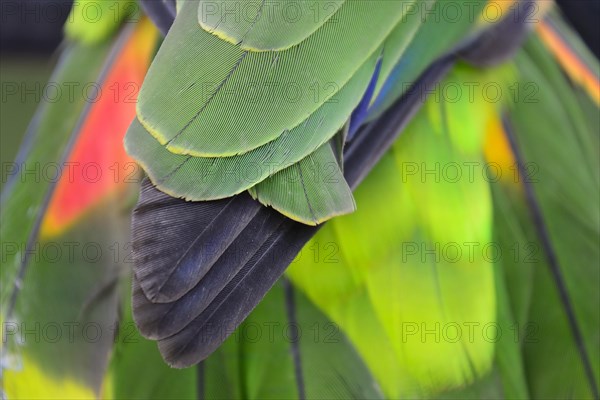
column 98, row 166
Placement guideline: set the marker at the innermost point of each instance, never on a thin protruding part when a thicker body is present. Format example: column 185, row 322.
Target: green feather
column 263, row 25
column 559, row 144
column 263, row 360
column 156, row 380
column 375, row 278
column 201, row 142
column 310, row 191
column 435, row 36
column 207, row 97
column 172, row 173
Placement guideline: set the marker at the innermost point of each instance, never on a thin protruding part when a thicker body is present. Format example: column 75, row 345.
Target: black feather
column 166, row 276
column 158, row 321
column 239, row 297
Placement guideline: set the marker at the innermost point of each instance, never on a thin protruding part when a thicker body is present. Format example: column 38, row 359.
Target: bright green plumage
column 319, row 177
column 406, row 288
column 173, row 172
column 210, row 130
column 266, row 26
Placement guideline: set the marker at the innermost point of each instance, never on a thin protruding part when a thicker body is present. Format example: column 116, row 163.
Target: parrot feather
column 263, row 26
column 160, row 320
column 325, row 62
column 204, row 242
column 431, row 41
column 572, row 54
column 561, row 197
column 318, row 178
column 362, row 109
column 18, row 194
column 172, row 172
column 304, row 356
column 376, row 276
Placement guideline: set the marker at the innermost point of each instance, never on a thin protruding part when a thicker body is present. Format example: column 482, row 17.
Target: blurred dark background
column 584, row 15
column 35, row 26
column 31, row 31
column 32, row 26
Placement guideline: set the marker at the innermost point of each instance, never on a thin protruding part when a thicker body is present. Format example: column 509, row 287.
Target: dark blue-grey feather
column 161, row 12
